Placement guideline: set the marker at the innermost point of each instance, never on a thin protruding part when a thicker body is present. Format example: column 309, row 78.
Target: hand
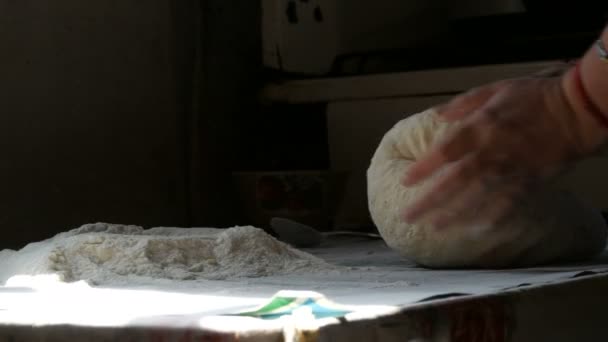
column 512, row 135
column 555, row 70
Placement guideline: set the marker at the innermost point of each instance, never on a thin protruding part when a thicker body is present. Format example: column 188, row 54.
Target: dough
column 549, row 226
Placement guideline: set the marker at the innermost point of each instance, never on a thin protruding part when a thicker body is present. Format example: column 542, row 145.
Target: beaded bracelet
column 601, row 50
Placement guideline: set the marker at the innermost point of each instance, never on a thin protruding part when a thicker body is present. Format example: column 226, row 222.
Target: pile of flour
column 104, row 254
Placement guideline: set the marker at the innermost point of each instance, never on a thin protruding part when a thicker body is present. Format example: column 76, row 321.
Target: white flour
column 106, row 254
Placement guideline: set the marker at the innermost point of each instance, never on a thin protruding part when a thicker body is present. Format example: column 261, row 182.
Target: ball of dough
column 550, row 225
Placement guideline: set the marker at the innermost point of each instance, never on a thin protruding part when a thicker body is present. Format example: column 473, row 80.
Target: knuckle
column 490, row 115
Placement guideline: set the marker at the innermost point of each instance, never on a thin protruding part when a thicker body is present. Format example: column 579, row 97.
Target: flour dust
column 105, row 254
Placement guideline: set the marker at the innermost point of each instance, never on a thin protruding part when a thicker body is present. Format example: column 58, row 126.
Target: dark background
column 138, row 111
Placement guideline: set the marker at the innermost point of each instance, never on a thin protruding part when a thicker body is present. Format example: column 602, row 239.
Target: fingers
column 494, row 210
column 462, row 207
column 482, row 208
column 498, row 206
column 464, row 140
column 473, row 135
column 479, row 203
column 464, row 187
column 467, row 103
column 452, row 182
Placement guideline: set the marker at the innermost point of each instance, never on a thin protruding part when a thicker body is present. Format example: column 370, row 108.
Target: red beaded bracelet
column 588, row 103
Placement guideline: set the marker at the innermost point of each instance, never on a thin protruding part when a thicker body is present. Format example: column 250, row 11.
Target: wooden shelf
column 404, row 84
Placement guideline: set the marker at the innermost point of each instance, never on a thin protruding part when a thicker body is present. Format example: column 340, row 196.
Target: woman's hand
column 513, row 134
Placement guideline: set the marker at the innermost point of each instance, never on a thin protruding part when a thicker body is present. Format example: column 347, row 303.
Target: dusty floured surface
column 107, row 254
column 368, row 273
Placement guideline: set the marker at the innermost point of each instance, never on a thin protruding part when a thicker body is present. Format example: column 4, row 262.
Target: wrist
column 590, row 121
column 585, row 86
column 594, row 74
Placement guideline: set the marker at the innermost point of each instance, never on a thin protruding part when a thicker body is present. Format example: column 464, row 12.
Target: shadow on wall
column 90, row 129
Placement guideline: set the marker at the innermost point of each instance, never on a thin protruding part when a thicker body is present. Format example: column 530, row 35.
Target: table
column 391, row 298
